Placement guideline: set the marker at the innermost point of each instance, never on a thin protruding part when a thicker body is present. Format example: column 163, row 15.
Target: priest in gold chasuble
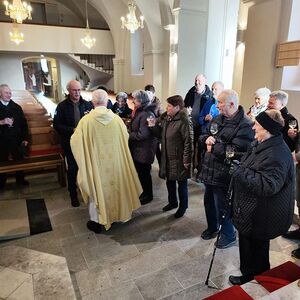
column 107, row 177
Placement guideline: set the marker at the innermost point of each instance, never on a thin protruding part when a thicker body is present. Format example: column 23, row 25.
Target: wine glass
column 230, row 151
column 151, row 121
column 214, row 128
column 12, row 122
column 292, row 124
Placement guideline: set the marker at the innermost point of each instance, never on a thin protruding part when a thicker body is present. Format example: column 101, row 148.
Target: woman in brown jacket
column 174, row 127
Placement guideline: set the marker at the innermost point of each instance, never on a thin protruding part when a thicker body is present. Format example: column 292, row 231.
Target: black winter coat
column 287, row 118
column 64, row 122
column 12, row 137
column 142, row 142
column 176, row 145
column 263, row 190
column 190, row 97
column 236, row 131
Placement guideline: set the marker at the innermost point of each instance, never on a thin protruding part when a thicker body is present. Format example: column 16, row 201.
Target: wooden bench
column 35, row 163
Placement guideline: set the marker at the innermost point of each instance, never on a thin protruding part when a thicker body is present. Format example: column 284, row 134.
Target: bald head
column 74, row 89
column 5, row 92
column 200, row 82
column 99, row 98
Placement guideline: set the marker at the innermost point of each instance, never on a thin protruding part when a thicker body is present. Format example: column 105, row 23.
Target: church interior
column 246, row 44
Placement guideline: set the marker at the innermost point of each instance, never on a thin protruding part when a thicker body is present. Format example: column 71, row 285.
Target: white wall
column 11, row 71
column 262, row 35
column 55, row 39
column 221, row 40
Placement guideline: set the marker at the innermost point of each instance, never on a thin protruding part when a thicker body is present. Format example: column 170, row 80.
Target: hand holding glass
column 11, row 122
column 151, row 121
column 292, row 124
column 229, row 151
column 214, row 128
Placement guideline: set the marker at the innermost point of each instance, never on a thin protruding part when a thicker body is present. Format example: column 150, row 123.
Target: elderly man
column 107, row 177
column 195, row 99
column 67, row 115
column 232, row 129
column 278, row 100
column 13, row 132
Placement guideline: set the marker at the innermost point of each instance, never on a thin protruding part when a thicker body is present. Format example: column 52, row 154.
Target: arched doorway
column 41, row 76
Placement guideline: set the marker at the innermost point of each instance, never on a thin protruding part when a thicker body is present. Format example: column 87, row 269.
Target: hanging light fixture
column 131, row 22
column 87, row 41
column 18, row 11
column 16, row 36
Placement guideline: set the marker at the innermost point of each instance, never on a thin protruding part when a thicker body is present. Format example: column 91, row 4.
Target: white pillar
column 118, row 74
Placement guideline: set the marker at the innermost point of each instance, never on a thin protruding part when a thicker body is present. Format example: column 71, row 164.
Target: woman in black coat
column 142, row 143
column 263, row 190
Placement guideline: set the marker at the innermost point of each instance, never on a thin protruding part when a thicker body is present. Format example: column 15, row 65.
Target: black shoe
column 22, row 182
column 296, row 253
column 75, row 202
column 292, row 234
column 94, row 226
column 239, row 280
column 169, row 207
column 208, row 235
column 179, row 213
column 146, row 199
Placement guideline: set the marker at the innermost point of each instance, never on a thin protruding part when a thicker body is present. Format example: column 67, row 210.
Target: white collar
column 5, row 102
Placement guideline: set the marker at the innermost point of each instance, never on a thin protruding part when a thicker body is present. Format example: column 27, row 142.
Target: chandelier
column 131, row 22
column 18, row 11
column 87, row 41
column 16, row 36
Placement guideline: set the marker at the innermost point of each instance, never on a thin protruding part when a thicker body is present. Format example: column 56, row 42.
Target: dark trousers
column 254, row 255
column 182, row 193
column 12, row 150
column 144, row 173
column 215, row 205
column 71, row 174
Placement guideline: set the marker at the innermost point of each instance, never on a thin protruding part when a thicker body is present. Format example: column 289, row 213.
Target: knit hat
column 268, row 123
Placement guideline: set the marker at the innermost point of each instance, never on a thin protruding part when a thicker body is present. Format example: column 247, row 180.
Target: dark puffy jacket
column 190, row 97
column 263, row 201
column 64, row 122
column 176, row 145
column 236, row 131
column 287, row 118
column 142, row 142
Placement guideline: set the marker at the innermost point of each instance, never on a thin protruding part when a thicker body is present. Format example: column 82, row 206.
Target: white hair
column 282, row 96
column 231, row 96
column 263, row 94
column 99, row 97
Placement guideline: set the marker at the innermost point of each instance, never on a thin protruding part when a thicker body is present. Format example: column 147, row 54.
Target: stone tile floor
column 153, row 256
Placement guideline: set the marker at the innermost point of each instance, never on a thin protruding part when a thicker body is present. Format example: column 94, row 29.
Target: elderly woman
column 142, row 142
column 261, row 98
column 176, row 132
column 263, row 195
column 120, row 107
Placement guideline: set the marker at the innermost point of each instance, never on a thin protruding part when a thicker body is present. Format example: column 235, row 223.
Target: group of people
column 245, row 162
